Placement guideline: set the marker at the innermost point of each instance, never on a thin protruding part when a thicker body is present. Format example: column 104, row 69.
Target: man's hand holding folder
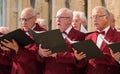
column 89, row 48
column 115, row 47
column 19, row 36
column 115, row 50
column 14, row 39
column 52, row 40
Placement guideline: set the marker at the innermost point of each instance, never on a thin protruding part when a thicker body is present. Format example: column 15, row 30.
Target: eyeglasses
column 60, row 17
column 97, row 16
column 26, row 19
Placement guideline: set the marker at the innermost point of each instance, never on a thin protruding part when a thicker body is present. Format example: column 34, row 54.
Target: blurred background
column 46, row 9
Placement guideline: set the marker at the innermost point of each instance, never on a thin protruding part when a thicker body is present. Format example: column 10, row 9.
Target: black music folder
column 115, row 47
column 52, row 40
column 19, row 36
column 89, row 48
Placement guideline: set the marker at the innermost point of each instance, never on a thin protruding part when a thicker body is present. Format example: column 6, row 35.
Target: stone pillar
column 11, row 14
column 111, row 7
column 56, row 5
column 78, row 5
column 116, row 12
column 91, row 5
column 24, row 3
column 41, row 7
column 21, row 5
column 13, row 9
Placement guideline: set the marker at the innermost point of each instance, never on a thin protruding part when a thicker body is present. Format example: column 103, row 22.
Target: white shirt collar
column 33, row 26
column 106, row 29
column 68, row 29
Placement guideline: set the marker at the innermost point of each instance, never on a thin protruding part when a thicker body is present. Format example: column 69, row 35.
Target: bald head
column 64, row 19
column 4, row 30
column 66, row 11
column 28, row 11
column 28, row 18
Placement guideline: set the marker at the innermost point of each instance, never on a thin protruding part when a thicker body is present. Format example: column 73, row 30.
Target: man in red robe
column 107, row 64
column 25, row 59
column 66, row 62
column 5, row 61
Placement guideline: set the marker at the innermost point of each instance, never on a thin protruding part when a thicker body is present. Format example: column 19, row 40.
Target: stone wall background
column 47, row 9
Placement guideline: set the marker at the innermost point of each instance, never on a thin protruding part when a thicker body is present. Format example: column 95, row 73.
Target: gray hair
column 81, row 15
column 67, row 11
column 102, row 8
column 70, row 12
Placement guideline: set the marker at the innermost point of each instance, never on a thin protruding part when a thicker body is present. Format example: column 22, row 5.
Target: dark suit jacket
column 65, row 63
column 26, row 60
column 105, row 65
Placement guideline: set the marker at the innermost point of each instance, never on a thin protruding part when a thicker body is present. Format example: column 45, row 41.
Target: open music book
column 52, row 40
column 19, row 36
column 89, row 48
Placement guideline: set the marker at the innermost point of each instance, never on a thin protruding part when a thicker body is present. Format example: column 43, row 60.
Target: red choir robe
column 26, row 60
column 107, row 64
column 5, row 61
column 65, row 62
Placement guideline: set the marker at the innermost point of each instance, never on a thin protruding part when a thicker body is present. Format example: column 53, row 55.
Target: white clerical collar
column 33, row 26
column 68, row 29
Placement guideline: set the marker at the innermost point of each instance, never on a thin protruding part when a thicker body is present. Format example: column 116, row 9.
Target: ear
column 107, row 17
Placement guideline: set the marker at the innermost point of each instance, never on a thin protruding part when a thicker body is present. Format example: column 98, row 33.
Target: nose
column 24, row 23
column 73, row 23
column 94, row 20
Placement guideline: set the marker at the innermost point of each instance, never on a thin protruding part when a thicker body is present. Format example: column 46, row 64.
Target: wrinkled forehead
column 76, row 17
column 61, row 13
column 64, row 13
column 98, row 12
column 27, row 13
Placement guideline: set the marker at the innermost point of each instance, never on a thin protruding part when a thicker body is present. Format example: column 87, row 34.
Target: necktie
column 102, row 32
